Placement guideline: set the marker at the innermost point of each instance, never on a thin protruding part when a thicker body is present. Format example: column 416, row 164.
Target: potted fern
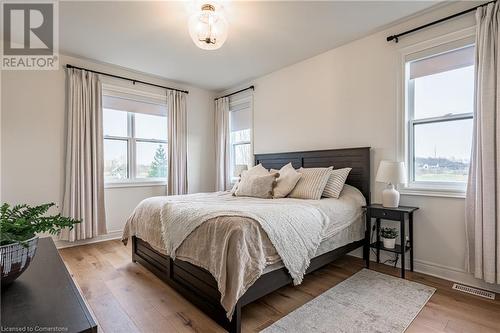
column 19, row 226
column 389, row 236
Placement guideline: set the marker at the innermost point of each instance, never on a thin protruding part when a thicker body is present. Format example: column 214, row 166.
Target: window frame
column 235, row 103
column 132, row 180
column 405, row 149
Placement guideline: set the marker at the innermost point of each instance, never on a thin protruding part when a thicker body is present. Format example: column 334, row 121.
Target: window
column 440, row 103
column 240, row 123
column 135, row 140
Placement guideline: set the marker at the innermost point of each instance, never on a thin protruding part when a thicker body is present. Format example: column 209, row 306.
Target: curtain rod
column 126, row 78
column 236, row 92
column 396, row 37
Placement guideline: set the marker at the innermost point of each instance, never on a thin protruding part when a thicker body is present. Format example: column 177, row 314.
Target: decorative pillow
column 257, row 170
column 257, row 186
column 311, row 184
column 336, row 182
column 286, row 181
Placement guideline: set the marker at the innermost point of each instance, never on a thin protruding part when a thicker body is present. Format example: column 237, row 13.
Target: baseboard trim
column 116, row 234
column 453, row 274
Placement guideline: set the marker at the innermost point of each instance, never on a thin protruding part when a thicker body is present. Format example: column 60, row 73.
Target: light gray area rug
column 368, row 301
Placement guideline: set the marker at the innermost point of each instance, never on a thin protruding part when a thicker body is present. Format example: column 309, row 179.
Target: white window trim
column 434, row 189
column 131, row 180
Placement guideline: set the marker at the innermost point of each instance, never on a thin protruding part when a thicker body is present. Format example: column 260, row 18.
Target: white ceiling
column 152, row 37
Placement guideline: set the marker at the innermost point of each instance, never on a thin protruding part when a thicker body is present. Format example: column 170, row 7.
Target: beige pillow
column 286, row 181
column 257, row 186
column 311, row 184
column 336, row 182
column 257, row 170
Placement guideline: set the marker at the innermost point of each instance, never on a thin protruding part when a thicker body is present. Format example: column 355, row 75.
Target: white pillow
column 257, row 170
column 286, row 181
column 336, row 182
column 257, row 186
column 311, row 184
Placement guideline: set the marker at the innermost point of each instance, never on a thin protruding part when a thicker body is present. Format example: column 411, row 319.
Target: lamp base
column 390, row 197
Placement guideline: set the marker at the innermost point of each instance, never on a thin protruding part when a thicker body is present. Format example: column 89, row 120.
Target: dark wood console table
column 45, row 298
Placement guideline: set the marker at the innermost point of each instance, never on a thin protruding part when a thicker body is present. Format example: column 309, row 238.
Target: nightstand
column 400, row 214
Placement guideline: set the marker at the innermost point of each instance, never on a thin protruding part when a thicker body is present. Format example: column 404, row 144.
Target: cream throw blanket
column 295, row 230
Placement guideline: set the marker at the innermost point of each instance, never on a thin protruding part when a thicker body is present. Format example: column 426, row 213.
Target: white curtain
column 177, row 142
column 84, row 173
column 222, row 153
column 483, row 190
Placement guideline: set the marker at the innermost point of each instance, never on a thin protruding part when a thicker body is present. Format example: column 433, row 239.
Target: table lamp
column 392, row 173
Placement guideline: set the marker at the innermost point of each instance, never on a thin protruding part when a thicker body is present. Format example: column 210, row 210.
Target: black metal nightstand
column 400, row 213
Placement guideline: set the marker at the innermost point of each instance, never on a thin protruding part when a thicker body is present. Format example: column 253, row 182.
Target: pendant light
column 208, row 28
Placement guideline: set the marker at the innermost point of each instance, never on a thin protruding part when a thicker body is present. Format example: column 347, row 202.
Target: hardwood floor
column 126, row 297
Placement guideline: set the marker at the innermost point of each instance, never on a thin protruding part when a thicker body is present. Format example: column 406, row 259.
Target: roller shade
column 444, row 62
column 240, row 111
column 240, row 120
column 134, row 103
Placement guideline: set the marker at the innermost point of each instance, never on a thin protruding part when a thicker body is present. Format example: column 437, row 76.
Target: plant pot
column 15, row 258
column 389, row 243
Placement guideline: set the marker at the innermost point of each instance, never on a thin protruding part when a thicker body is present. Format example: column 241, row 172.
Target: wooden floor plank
column 126, row 297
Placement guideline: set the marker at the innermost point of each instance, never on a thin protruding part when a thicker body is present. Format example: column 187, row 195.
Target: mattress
column 352, row 232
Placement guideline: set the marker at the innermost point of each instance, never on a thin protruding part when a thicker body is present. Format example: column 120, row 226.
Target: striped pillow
column 336, row 182
column 311, row 184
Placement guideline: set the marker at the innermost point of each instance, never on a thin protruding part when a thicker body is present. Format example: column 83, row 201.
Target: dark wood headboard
column 356, row 158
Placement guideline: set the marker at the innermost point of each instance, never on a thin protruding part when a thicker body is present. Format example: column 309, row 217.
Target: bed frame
column 200, row 288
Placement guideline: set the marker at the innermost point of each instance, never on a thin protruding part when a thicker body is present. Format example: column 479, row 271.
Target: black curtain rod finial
column 393, row 38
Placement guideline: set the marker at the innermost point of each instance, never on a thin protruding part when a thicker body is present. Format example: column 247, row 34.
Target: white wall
column 349, row 97
column 33, row 136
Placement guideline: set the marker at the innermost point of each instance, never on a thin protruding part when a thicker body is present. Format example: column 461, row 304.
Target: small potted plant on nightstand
column 389, row 236
column 19, row 226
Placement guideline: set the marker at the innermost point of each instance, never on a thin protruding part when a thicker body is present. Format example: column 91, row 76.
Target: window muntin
column 135, row 143
column 440, row 102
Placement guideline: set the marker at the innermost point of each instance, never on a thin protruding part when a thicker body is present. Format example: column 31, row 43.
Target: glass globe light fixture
column 207, row 28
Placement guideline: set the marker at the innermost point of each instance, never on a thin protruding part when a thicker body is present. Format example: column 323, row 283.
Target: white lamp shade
column 391, row 172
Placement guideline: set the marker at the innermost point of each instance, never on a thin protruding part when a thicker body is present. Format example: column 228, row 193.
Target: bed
column 200, row 287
